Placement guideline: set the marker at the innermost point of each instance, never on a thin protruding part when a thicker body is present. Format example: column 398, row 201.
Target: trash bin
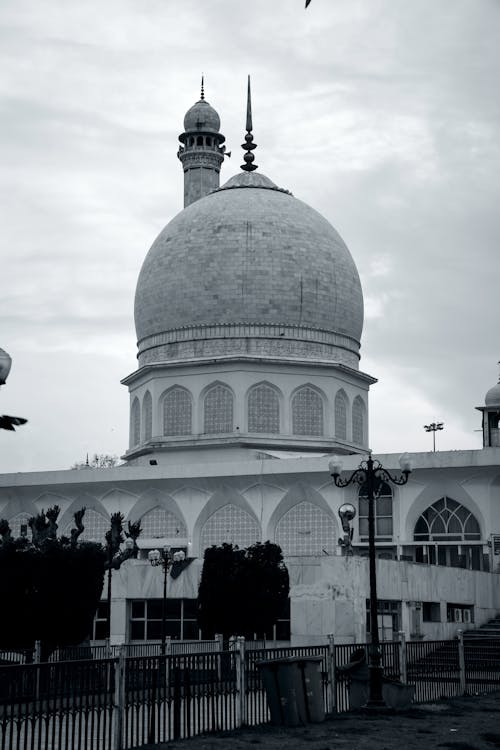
column 394, row 692
column 293, row 689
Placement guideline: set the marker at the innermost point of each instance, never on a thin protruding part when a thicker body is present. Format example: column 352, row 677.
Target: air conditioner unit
column 458, row 615
column 467, row 615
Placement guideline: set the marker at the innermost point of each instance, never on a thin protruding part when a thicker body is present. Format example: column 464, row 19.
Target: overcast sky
column 383, row 115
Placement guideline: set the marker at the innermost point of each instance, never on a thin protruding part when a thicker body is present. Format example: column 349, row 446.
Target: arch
column 208, row 140
column 341, row 406
column 160, row 523
column 199, row 140
column 96, row 519
column 218, row 409
column 308, row 411
column 446, row 520
column 153, row 499
column 383, row 508
column 17, row 512
column 434, row 491
column 244, row 527
column 263, row 409
column 19, row 524
column 177, row 411
column 303, row 523
column 147, row 416
column 358, row 421
column 135, row 423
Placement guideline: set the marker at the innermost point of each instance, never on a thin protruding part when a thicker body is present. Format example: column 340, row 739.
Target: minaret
column 202, row 152
column 491, row 417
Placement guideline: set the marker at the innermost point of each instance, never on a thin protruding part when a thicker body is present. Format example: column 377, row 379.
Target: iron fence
column 134, row 699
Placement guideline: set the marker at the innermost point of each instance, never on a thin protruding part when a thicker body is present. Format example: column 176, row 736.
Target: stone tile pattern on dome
column 251, row 256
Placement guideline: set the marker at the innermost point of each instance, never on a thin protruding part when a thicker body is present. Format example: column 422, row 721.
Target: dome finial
column 202, row 95
column 249, row 145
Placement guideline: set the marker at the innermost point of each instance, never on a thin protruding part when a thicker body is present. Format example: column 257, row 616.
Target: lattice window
column 382, row 507
column 96, row 525
column 263, row 410
column 341, row 416
column 447, row 521
column 306, row 529
column 19, row 525
column 232, row 525
column 307, row 412
column 218, row 410
column 147, row 415
column 177, row 412
column 358, row 421
column 135, row 423
column 160, row 523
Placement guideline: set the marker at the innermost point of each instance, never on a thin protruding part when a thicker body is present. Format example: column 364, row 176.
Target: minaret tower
column 491, row 417
column 202, row 152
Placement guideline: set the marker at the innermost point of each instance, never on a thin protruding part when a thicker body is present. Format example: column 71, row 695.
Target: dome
column 252, row 267
column 492, row 398
column 201, row 116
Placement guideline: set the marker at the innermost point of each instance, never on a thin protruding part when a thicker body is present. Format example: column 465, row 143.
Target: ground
column 470, row 723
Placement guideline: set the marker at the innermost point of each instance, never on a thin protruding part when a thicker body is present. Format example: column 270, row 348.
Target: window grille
column 447, row 521
column 147, row 412
column 307, row 412
column 177, row 412
column 159, row 523
column 358, row 421
column 382, row 507
column 263, row 410
column 306, row 529
column 135, row 423
column 95, row 526
column 231, row 525
column 341, row 416
column 218, row 410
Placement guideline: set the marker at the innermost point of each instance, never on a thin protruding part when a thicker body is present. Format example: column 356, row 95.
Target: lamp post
column 165, row 558
column 371, row 474
column 6, row 422
column 434, row 427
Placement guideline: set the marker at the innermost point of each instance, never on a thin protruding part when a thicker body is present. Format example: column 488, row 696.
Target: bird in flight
column 10, row 423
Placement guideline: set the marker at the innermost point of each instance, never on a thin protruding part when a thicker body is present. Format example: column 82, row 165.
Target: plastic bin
column 293, row 689
column 394, row 692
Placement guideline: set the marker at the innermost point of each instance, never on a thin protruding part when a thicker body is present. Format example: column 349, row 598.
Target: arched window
column 177, row 412
column 358, row 421
column 19, row 525
column 147, row 415
column 209, row 141
column 199, row 140
column 383, row 512
column 341, row 416
column 306, row 529
column 232, row 525
column 307, row 412
column 448, row 521
column 218, row 410
column 263, row 410
column 95, row 526
column 159, row 523
column 135, row 423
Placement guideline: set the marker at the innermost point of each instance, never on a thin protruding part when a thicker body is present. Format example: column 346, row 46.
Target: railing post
column 219, row 641
column 461, row 662
column 119, row 706
column 37, row 652
column 241, row 679
column 402, row 656
column 332, row 688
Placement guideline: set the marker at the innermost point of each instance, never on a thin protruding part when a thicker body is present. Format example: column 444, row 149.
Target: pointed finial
column 249, row 146
column 87, row 461
column 202, row 95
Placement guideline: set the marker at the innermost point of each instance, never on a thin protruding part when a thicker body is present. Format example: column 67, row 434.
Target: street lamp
column 165, row 558
column 370, row 474
column 434, row 427
column 6, row 422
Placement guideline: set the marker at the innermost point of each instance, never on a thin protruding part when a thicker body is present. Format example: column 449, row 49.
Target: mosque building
column 249, row 315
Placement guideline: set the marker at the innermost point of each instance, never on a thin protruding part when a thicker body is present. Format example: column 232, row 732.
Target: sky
column 381, row 114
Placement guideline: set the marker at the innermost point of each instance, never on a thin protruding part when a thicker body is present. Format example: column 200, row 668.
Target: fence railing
column 134, row 699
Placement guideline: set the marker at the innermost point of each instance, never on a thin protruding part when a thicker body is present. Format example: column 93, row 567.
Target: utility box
column 294, row 689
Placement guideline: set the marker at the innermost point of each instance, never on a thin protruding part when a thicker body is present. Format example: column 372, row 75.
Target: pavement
column 468, row 723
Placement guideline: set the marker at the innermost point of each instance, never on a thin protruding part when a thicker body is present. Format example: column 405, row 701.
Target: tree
column 98, row 461
column 242, row 591
column 50, row 586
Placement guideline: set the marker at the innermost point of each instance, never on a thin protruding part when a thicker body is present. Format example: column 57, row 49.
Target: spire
column 202, row 95
column 249, row 146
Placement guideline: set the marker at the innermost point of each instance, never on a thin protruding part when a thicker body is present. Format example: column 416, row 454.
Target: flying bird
column 307, row 2
column 10, row 423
